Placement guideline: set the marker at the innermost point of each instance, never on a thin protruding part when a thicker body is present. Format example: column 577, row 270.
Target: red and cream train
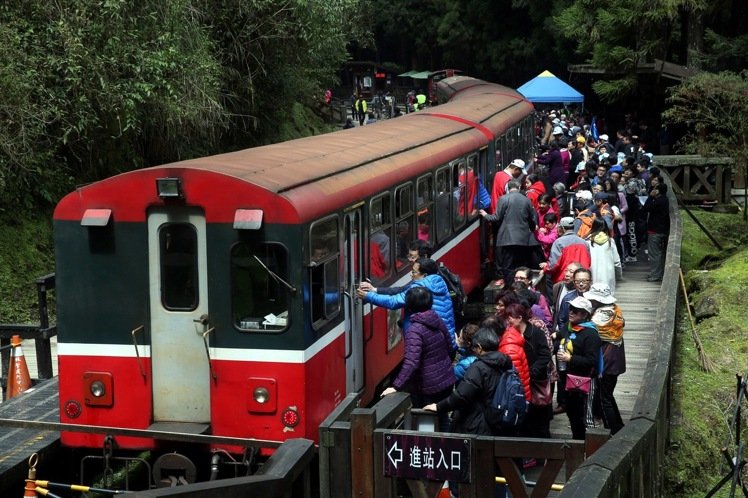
column 216, row 295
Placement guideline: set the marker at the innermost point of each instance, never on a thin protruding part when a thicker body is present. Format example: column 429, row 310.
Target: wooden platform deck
column 638, row 300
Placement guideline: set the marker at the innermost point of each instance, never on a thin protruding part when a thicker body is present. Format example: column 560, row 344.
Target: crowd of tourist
column 576, row 214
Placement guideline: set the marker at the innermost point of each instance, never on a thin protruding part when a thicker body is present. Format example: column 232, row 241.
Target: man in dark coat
column 657, row 210
column 515, row 240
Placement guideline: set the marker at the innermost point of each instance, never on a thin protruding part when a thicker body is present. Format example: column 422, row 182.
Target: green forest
column 92, row 88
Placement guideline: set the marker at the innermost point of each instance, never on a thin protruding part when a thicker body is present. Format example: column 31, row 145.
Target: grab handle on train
column 207, row 332
column 136, row 330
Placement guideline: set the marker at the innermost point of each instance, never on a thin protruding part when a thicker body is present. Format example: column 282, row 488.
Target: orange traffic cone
column 445, row 493
column 18, row 373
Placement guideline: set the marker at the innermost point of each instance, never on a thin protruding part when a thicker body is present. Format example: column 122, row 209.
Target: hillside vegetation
column 704, row 403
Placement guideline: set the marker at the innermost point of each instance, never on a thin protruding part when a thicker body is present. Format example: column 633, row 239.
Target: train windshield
column 260, row 296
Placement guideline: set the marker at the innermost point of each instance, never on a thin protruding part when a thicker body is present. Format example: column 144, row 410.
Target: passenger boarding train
column 217, row 295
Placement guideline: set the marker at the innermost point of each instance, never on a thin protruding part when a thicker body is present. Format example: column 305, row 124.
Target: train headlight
column 98, row 389
column 261, row 395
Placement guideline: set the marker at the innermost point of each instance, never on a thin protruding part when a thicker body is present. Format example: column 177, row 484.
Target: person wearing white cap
column 580, row 351
column 513, row 171
column 608, row 318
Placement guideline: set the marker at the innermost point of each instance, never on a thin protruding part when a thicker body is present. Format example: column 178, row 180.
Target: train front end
column 180, row 309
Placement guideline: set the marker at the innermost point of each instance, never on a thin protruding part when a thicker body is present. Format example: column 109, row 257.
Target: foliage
column 618, row 35
column 703, row 403
column 700, row 252
column 498, row 41
column 26, row 253
column 101, row 87
column 712, row 108
column 274, row 54
column 95, row 87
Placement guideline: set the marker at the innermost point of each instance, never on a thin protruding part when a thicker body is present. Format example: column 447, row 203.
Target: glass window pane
column 425, row 189
column 179, row 285
column 324, row 282
column 379, row 256
column 255, row 292
column 443, row 205
column 460, row 193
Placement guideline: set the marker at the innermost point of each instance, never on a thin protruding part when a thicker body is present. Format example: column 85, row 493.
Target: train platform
column 40, row 403
column 638, row 300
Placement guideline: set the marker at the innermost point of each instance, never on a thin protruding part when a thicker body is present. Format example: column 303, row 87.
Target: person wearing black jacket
column 657, row 210
column 581, row 354
column 476, row 389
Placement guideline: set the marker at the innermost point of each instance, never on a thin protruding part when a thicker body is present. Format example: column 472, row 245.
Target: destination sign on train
column 413, row 456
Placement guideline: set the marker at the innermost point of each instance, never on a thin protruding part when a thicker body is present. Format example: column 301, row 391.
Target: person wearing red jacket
column 534, row 188
column 567, row 248
column 512, row 344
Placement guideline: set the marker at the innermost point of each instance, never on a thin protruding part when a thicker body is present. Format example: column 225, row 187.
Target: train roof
column 341, row 168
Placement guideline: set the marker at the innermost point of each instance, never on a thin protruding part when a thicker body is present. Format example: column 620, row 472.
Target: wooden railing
column 631, row 463
column 697, row 178
column 354, row 450
column 41, row 333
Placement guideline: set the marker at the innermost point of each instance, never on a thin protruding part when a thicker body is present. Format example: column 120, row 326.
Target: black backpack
column 508, row 406
column 456, row 291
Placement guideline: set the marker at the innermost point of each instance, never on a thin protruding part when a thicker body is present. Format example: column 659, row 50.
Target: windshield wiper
column 275, row 276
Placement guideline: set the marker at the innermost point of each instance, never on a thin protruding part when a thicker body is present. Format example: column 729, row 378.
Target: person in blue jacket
column 425, row 273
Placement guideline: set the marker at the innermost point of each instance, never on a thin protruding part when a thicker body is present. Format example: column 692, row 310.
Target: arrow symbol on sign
column 398, row 455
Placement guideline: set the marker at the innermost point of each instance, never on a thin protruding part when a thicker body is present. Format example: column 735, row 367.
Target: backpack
column 456, row 291
column 508, row 404
column 586, row 227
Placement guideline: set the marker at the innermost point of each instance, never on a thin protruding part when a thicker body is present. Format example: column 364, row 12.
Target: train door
column 177, row 263
column 353, row 270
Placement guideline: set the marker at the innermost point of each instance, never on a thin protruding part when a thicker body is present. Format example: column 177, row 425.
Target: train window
column 324, row 271
column 380, row 223
column 424, row 208
column 463, row 192
column 471, row 180
column 179, row 284
column 443, row 204
column 259, row 299
column 405, row 225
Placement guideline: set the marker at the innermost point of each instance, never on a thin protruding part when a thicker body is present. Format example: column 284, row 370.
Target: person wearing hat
column 580, row 353
column 608, row 318
column 605, row 147
column 567, row 248
column 513, row 171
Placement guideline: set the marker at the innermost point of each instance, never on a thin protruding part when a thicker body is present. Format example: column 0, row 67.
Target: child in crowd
column 547, row 233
